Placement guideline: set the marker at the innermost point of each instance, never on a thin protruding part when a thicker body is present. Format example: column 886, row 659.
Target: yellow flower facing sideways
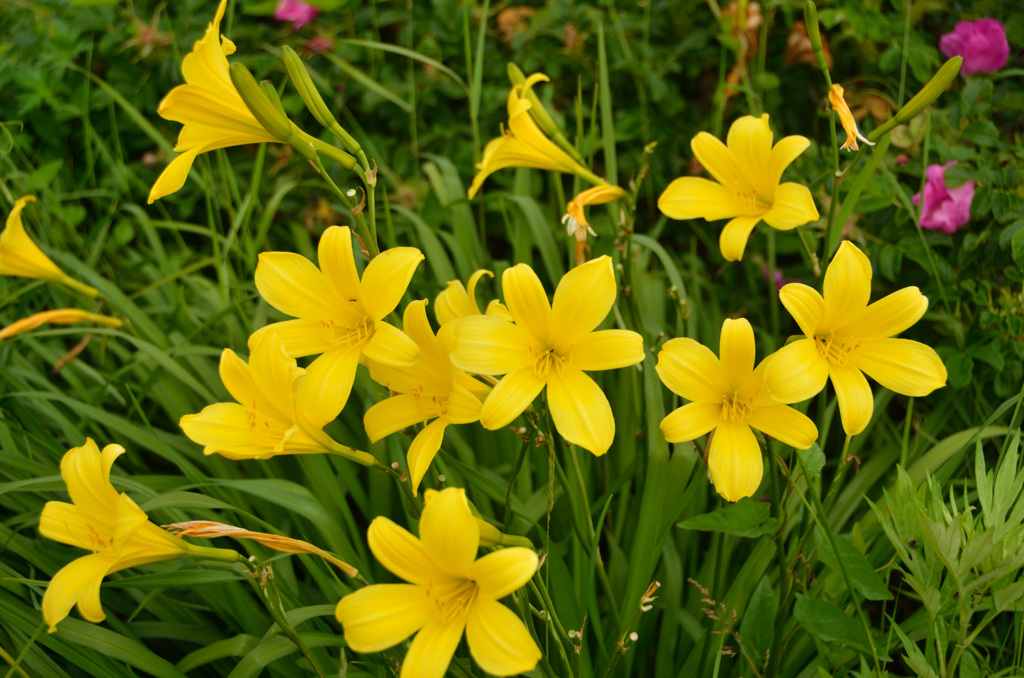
column 835, row 97
column 747, row 170
column 263, row 421
column 575, row 219
column 728, row 395
column 209, row 106
column 551, row 345
column 110, row 525
column 449, row 591
column 20, row 257
column 430, row 389
column 338, row 315
column 524, row 144
column 459, row 301
column 846, row 338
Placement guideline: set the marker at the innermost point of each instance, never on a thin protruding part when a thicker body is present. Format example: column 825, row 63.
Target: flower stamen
column 836, row 352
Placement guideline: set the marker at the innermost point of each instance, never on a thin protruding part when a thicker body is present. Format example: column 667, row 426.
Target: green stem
column 906, row 432
column 541, row 591
column 511, row 484
column 833, row 491
column 262, row 580
column 780, row 552
column 773, row 289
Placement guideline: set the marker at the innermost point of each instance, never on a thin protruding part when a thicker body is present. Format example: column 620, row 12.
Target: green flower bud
column 258, row 104
column 314, row 102
column 928, row 94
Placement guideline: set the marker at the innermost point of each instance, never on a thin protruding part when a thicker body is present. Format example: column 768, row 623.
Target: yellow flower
column 209, row 106
column 575, row 219
column 457, row 301
column 58, row 316
column 747, row 170
column 337, row 314
column 110, row 525
column 524, row 144
column 846, row 338
column 22, row 258
column 430, row 389
column 449, row 590
column 551, row 345
column 835, row 97
column 264, row 420
column 728, row 394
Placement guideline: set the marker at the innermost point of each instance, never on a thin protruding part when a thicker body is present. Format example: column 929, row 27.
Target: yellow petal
column 696, row 197
column 334, row 253
column 86, row 471
column 735, row 461
column 293, row 285
column 449, row 533
column 736, row 351
column 717, row 159
column 847, row 285
column 498, row 310
column 433, row 647
column 381, row 616
column 784, row 153
column 527, row 301
column 786, row 424
column 237, row 379
column 222, row 426
column 793, row 206
column 328, row 382
column 423, row 449
column 580, row 410
column 796, row 372
column 692, row 371
column 890, row 315
column 582, row 300
column 19, row 255
column 510, row 397
column 391, row 415
column 805, row 305
column 607, row 350
column 298, row 337
column 401, row 553
column 274, row 375
column 417, row 327
column 387, row 277
column 390, row 346
column 490, row 345
column 200, row 107
column 499, row 641
column 68, row 524
column 750, row 142
column 174, row 175
column 690, row 421
column 854, row 395
column 901, row 365
column 500, row 573
column 463, row 406
column 148, row 544
column 454, row 302
column 733, row 239
column 77, row 582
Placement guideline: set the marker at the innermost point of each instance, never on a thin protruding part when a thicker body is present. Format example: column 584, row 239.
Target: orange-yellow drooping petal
column 839, row 105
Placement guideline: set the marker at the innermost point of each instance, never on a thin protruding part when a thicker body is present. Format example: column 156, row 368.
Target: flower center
column 736, row 409
column 455, row 602
column 751, row 203
column 836, row 350
column 95, row 538
column 349, row 336
column 259, row 427
column 429, row 405
column 545, row 361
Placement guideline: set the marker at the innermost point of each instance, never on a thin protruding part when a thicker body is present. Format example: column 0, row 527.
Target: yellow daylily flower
column 747, row 170
column 575, row 219
column 58, row 316
column 209, row 106
column 430, row 389
column 449, row 590
column 839, row 105
column 458, row 301
column 338, row 315
column 110, row 525
column 846, row 338
column 729, row 396
column 524, row 144
column 551, row 345
column 22, row 258
column 266, row 419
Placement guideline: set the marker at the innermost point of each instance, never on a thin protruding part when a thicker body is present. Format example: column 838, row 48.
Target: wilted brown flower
column 799, row 50
column 512, row 21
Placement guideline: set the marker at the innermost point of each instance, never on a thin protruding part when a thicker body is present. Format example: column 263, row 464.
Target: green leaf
column 829, row 623
column 915, row 658
column 982, row 133
column 757, row 633
column 1017, row 247
column 186, row 578
column 236, row 646
column 117, row 647
column 42, row 177
column 814, row 459
column 745, row 518
column 857, row 566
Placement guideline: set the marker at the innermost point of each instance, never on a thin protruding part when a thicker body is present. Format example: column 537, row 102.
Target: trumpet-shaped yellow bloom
column 846, row 338
column 458, row 301
column 209, row 106
column 728, row 395
column 338, row 315
column 575, row 219
column 450, row 590
column 524, row 144
column 58, row 316
column 265, row 420
column 110, row 525
column 430, row 389
column 747, row 170
column 835, row 97
column 22, row 258
column 551, row 345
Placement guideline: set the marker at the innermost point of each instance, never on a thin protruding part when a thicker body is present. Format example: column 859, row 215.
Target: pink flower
column 300, row 13
column 981, row 43
column 944, row 209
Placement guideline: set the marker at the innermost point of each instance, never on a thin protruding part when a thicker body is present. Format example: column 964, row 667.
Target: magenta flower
column 945, row 209
column 300, row 13
column 981, row 43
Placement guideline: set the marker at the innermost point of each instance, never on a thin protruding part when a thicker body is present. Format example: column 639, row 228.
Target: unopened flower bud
column 258, row 104
column 928, row 94
column 314, row 102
